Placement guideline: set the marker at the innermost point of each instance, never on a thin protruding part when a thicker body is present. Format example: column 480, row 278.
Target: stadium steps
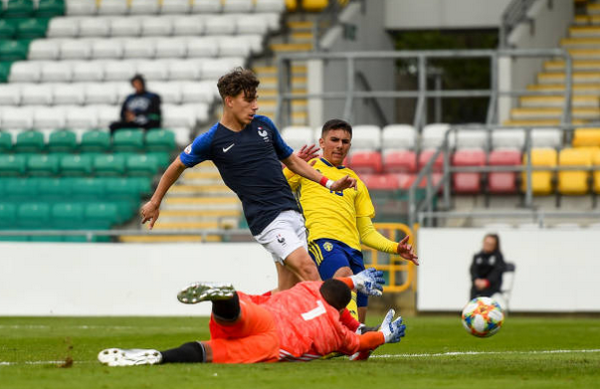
column 578, row 65
column 537, row 113
column 558, row 101
column 538, row 122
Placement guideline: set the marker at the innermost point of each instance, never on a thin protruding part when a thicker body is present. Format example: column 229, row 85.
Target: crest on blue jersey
column 263, row 133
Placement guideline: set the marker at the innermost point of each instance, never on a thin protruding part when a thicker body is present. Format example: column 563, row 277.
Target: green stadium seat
column 95, row 141
column 12, row 165
column 4, row 70
column 12, row 50
column 19, row 9
column 88, row 189
column 5, row 142
column 125, row 192
column 163, row 159
column 20, row 189
column 76, row 165
column 160, row 140
column 29, row 142
column 62, row 141
column 50, row 8
column 7, row 29
column 100, row 215
column 141, row 165
column 32, row 29
column 51, row 189
column 42, row 165
column 144, row 185
column 8, row 216
column 67, row 216
column 128, row 140
column 109, row 165
column 33, row 216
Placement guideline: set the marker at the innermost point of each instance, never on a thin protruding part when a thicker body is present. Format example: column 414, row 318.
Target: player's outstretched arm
column 299, row 166
column 150, row 210
column 369, row 281
column 369, row 236
column 393, row 330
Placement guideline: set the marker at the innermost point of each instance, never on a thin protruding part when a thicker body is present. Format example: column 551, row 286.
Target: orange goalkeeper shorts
column 251, row 339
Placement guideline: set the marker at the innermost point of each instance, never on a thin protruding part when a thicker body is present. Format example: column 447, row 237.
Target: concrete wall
column 443, row 14
column 549, row 22
column 556, row 271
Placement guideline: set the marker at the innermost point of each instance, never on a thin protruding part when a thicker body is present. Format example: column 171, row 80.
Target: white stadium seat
column 508, row 139
column 433, row 136
column 213, row 69
column 171, row 47
column 36, row 94
column 184, row 70
column 61, row 27
column 75, row 49
column 277, row 6
column 107, row 49
column 25, row 71
column 175, row 7
column 188, row 25
column 178, row 116
column 398, row 137
column 124, row 89
column 220, row 25
column 113, row 7
column 107, row 114
column 81, row 117
column 94, row 27
column 170, row 92
column 546, row 137
column 48, row 118
column 100, row 93
column 296, row 136
column 56, row 71
column 251, row 24
column 68, row 94
column 233, row 46
column 158, row 26
column 202, row 47
column 207, row 6
column 44, row 49
column 238, row 6
column 119, row 70
column 254, row 42
column 138, row 48
column 197, row 92
column 272, row 20
column 153, row 70
column 144, row 7
column 10, row 94
column 17, row 118
column 201, row 111
column 471, row 139
column 87, row 71
column 78, row 7
column 125, row 26
column 366, row 137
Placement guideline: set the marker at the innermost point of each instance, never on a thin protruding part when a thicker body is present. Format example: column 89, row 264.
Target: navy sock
column 192, row 352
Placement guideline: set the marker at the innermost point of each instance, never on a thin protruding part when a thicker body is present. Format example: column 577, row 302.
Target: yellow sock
column 352, row 307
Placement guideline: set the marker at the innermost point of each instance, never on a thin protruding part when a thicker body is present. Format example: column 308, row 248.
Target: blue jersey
column 249, row 165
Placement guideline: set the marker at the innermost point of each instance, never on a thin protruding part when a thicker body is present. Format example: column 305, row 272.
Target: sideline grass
column 505, row 359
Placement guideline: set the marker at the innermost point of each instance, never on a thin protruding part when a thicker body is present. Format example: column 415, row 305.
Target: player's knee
column 308, row 271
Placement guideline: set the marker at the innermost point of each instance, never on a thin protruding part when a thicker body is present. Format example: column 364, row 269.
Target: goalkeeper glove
column 369, row 282
column 392, row 331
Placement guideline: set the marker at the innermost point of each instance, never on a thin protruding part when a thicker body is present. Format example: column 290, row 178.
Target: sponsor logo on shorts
column 327, row 246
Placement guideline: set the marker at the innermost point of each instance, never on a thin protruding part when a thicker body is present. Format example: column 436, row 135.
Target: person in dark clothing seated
column 487, row 268
column 140, row 109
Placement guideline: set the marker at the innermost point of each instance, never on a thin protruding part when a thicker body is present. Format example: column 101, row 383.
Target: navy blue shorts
column 331, row 255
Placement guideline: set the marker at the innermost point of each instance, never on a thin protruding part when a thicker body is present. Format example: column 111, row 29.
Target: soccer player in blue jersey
column 247, row 150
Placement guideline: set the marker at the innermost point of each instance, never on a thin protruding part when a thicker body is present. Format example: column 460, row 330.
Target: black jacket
column 489, row 266
column 146, row 107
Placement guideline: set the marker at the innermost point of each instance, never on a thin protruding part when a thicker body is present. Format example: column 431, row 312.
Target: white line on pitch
column 455, row 353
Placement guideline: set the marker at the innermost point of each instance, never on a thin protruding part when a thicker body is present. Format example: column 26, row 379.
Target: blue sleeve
column 281, row 148
column 198, row 151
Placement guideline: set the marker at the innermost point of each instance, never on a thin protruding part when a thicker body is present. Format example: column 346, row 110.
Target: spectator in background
column 487, row 268
column 140, row 109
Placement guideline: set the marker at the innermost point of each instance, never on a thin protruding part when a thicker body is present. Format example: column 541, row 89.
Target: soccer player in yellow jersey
column 338, row 222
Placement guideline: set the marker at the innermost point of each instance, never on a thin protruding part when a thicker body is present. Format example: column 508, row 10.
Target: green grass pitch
column 436, row 353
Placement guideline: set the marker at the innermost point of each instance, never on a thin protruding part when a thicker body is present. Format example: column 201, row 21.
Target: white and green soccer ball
column 482, row 317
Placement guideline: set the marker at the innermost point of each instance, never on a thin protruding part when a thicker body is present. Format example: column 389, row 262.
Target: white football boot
column 130, row 357
column 205, row 291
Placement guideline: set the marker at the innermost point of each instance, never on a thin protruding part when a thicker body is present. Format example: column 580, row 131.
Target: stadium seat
column 198, row 92
column 159, row 140
column 8, row 216
column 63, row 27
column 7, row 29
column 574, row 182
column 251, row 24
column 113, row 7
column 52, row 71
column 468, row 183
column 508, row 139
column 81, row 117
column 176, row 7
column 163, row 158
column 25, row 71
column 10, row 94
column 426, row 155
column 432, row 136
column 541, row 181
column 401, row 161
column 36, row 94
column 42, row 165
column 12, row 165
column 19, row 9
column 202, row 47
column 314, row 5
column 68, row 94
column 109, row 165
column 17, row 118
column 125, row 27
column 51, row 189
column 101, row 215
column 231, row 46
column 95, row 141
column 80, row 49
column 128, row 140
column 80, row 8
column 100, row 93
column 44, row 49
column 144, row 7
column 157, row 27
column 139, row 48
column 274, row 6
column 296, row 137
column 503, row 182
column 48, row 118
column 366, row 137
column 141, row 165
column 586, row 137
column 4, row 70
column 398, row 137
column 119, row 70
column 94, row 28
column 29, row 142
column 223, row 25
column 188, row 26
column 238, row 6
column 596, row 173
column 19, row 189
column 32, row 29
column 87, row 71
column 170, row 92
column 366, row 162
column 207, row 6
column 178, row 116
column 76, row 165
column 472, row 139
column 381, row 181
column 13, row 50
column 107, row 114
column 153, row 70
column 184, row 70
column 62, row 141
column 107, row 49
column 50, row 8
column 5, row 142
column 33, row 215
column 66, row 216
column 87, row 189
column 546, row 138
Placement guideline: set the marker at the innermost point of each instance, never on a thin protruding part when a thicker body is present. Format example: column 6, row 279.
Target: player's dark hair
column 496, row 238
column 335, row 124
column 336, row 293
column 140, row 78
column 236, row 81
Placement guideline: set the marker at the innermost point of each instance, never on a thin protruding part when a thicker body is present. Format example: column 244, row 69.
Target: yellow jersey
column 331, row 214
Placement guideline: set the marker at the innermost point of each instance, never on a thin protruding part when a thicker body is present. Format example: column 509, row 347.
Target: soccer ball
column 482, row 317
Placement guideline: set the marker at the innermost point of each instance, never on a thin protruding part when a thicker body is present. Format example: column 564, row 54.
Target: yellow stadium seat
column 541, row 182
column 596, row 174
column 574, row 182
column 291, row 5
column 586, row 137
column 314, row 5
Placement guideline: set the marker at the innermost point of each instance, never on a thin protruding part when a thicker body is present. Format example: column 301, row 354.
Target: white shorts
column 284, row 235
